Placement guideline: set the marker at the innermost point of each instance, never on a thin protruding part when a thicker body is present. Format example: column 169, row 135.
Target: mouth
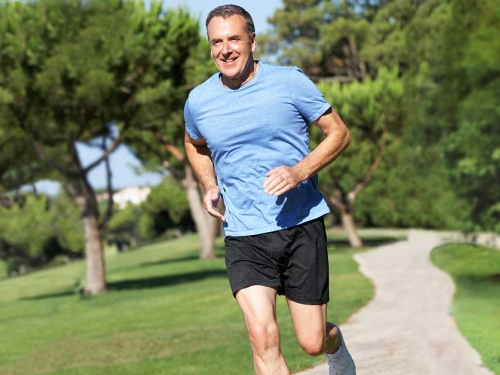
column 229, row 61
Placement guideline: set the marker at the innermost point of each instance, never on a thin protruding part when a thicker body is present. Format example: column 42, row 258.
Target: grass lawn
column 476, row 304
column 166, row 312
column 3, row 270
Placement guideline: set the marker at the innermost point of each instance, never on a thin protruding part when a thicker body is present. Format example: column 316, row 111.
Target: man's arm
column 199, row 157
column 282, row 179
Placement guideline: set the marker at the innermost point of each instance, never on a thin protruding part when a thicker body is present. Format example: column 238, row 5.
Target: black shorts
column 295, row 260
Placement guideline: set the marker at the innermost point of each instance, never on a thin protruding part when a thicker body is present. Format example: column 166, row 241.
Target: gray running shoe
column 343, row 363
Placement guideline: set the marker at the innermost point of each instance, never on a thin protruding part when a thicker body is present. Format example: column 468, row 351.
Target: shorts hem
column 305, row 301
column 246, row 284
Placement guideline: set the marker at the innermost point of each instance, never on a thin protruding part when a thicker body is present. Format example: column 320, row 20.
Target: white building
column 133, row 194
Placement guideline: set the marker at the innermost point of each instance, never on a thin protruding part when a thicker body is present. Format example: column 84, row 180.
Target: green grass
column 3, row 270
column 476, row 304
column 166, row 312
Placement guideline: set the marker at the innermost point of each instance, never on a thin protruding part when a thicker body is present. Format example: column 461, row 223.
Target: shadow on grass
column 169, row 261
column 49, row 295
column 146, row 283
column 367, row 242
column 167, row 280
column 472, row 281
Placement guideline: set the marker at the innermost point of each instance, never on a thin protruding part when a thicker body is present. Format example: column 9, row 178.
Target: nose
column 226, row 47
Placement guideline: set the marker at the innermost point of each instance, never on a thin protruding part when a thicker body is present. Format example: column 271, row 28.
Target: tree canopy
column 88, row 72
column 443, row 168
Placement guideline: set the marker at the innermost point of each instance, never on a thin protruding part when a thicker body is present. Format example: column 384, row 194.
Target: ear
column 254, row 43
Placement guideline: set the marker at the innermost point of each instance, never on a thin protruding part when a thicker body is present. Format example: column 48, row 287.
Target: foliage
column 320, row 36
column 25, row 226
column 115, row 62
column 165, row 208
column 345, row 39
column 444, row 54
column 123, row 227
column 88, row 72
column 163, row 123
column 147, row 322
column 168, row 196
column 372, row 111
column 168, row 207
column 411, row 190
column 66, row 223
column 473, row 149
column 475, row 304
column 34, row 233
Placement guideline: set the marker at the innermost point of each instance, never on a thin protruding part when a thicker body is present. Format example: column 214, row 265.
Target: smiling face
column 232, row 49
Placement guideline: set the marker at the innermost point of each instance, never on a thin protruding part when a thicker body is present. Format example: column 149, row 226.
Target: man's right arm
column 200, row 159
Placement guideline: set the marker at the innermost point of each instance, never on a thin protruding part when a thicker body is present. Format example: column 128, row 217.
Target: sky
column 122, row 160
column 259, row 9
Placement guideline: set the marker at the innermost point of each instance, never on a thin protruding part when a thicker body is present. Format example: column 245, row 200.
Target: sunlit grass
column 166, row 312
column 3, row 270
column 476, row 304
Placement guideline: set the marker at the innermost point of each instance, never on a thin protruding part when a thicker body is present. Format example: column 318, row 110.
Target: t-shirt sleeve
column 306, row 97
column 190, row 124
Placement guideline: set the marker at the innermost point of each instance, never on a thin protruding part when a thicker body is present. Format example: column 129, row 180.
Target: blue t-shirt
column 251, row 130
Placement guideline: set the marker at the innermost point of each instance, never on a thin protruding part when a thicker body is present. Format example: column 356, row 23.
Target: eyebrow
column 230, row 37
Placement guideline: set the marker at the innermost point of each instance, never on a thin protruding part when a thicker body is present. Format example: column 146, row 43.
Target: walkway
column 406, row 329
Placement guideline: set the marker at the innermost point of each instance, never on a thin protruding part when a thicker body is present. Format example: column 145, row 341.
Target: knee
column 263, row 338
column 313, row 346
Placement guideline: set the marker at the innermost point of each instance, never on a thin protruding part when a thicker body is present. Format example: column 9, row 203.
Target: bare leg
column 258, row 304
column 315, row 335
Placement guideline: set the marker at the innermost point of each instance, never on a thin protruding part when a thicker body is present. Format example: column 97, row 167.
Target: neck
column 234, row 83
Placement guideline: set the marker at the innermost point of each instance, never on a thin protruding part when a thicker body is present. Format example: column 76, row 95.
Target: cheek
column 214, row 52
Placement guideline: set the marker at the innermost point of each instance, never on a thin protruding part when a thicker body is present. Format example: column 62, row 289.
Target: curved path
column 406, row 329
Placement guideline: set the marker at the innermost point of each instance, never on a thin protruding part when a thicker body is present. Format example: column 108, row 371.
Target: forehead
column 219, row 27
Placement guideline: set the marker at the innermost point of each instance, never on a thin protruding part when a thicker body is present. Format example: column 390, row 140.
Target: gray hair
column 226, row 11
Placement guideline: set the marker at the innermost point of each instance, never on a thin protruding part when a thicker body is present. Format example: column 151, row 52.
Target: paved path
column 406, row 329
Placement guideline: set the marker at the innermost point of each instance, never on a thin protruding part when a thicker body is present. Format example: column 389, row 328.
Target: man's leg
column 258, row 304
column 315, row 335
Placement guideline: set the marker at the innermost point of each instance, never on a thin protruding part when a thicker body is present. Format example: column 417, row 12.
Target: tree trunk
column 94, row 256
column 350, row 228
column 81, row 191
column 205, row 224
column 203, row 221
column 94, row 253
column 345, row 204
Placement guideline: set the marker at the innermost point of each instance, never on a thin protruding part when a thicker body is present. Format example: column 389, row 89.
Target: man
column 247, row 141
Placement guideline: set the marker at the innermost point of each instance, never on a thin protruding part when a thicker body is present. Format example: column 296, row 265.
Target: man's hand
column 280, row 180
column 211, row 200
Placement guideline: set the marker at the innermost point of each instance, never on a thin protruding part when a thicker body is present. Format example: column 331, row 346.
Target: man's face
column 231, row 48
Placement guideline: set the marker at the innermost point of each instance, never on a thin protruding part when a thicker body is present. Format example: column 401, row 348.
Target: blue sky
column 122, row 161
column 259, row 9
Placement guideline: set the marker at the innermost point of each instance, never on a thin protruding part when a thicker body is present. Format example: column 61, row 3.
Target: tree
column 361, row 39
column 467, row 75
column 169, row 197
column 412, row 187
column 373, row 112
column 38, row 230
column 89, row 72
column 326, row 38
column 123, row 229
column 160, row 142
column 411, row 190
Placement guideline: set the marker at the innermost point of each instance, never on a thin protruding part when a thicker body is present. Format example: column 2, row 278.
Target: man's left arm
column 284, row 178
